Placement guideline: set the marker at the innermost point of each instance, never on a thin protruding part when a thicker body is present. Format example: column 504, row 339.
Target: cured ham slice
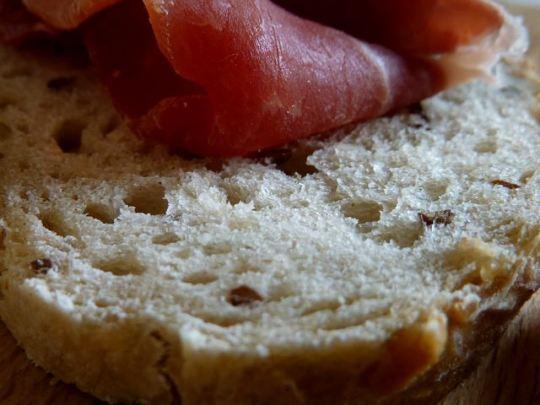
column 408, row 26
column 137, row 77
column 67, row 14
column 466, row 37
column 271, row 77
column 231, row 77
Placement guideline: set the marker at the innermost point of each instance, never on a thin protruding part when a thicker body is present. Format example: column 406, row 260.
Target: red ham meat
column 137, row 77
column 466, row 37
column 67, row 14
column 237, row 76
column 408, row 26
column 266, row 76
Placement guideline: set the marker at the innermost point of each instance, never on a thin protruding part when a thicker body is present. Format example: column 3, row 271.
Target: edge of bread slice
column 341, row 269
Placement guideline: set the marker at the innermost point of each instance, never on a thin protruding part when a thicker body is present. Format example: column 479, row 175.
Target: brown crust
column 467, row 345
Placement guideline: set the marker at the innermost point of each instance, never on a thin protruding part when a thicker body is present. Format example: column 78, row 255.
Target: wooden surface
column 21, row 383
column 510, row 374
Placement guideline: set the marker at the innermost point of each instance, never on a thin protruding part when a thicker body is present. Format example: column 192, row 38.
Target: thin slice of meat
column 17, row 24
column 466, row 37
column 271, row 77
column 67, row 14
column 418, row 27
column 125, row 54
column 237, row 76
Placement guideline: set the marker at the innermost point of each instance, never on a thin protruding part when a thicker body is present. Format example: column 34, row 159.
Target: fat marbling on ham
column 232, row 77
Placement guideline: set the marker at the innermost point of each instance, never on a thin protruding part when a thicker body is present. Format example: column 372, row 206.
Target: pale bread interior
column 138, row 274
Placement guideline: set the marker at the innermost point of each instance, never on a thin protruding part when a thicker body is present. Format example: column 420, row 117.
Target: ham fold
column 233, row 77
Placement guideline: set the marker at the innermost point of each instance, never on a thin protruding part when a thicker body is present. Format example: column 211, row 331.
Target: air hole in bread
column 68, row 136
column 526, row 176
column 54, row 222
column 218, row 248
column 417, row 117
column 104, row 213
column 233, row 198
column 363, row 211
column 321, row 307
column 102, row 303
column 42, row 266
column 121, row 266
column 221, row 321
column 291, row 160
column 236, row 194
column 148, row 199
column 297, row 164
column 184, row 254
column 242, row 296
column 403, row 235
column 486, row 146
column 62, row 83
column 167, row 238
column 435, row 189
column 243, row 268
column 200, row 277
column 5, row 131
column 417, row 109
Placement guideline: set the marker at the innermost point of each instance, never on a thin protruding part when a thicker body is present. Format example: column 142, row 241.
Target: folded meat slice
column 67, row 14
column 265, row 77
column 237, row 76
column 408, row 26
column 128, row 61
column 466, row 37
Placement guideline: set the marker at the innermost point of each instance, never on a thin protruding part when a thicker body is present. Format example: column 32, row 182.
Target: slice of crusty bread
column 338, row 271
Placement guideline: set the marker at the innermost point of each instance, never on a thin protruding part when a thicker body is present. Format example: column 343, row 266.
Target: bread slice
column 338, row 271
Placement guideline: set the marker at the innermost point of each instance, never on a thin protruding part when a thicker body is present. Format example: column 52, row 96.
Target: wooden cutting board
column 510, row 374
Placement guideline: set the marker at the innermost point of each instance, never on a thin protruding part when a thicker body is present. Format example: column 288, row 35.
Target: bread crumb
column 41, row 266
column 444, row 217
column 504, row 183
column 243, row 295
column 487, row 263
